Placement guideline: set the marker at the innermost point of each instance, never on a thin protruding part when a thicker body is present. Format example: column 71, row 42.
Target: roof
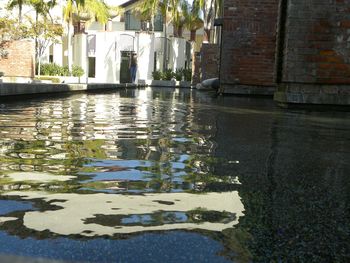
column 128, row 3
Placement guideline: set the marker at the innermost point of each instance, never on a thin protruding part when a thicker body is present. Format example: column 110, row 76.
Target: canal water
column 168, row 175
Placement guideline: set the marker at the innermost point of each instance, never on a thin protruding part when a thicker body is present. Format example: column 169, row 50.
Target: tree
column 19, row 4
column 193, row 22
column 151, row 8
column 68, row 10
column 42, row 7
column 210, row 9
column 10, row 30
column 45, row 32
column 94, row 9
column 178, row 10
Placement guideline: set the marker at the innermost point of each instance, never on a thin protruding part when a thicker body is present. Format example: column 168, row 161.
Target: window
column 158, row 23
column 131, row 22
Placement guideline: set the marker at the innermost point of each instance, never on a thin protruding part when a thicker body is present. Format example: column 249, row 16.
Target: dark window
column 131, row 22
column 158, row 22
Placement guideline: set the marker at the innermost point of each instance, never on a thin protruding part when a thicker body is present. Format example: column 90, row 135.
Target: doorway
column 124, row 67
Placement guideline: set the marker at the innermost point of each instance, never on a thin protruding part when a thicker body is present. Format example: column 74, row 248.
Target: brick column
column 316, row 56
column 249, row 46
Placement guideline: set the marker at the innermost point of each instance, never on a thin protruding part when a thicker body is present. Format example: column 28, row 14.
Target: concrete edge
column 15, row 89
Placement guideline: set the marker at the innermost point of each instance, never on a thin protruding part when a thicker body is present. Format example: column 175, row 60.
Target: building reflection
column 125, row 162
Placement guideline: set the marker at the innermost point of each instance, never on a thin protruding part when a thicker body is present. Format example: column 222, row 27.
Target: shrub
column 157, row 75
column 167, row 75
column 64, row 71
column 187, row 73
column 50, row 69
column 77, row 71
column 178, row 74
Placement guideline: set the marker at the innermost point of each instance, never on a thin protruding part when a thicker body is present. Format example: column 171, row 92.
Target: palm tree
column 178, row 10
column 193, row 22
column 42, row 8
column 211, row 9
column 19, row 4
column 68, row 10
column 151, row 8
column 95, row 9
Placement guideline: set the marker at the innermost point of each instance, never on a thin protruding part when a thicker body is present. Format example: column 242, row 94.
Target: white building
column 103, row 51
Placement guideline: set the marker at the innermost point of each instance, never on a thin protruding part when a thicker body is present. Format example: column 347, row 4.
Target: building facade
column 103, row 50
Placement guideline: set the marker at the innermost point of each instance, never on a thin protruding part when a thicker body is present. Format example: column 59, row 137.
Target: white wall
column 107, row 58
column 79, row 52
column 58, row 54
column 145, row 53
column 178, row 53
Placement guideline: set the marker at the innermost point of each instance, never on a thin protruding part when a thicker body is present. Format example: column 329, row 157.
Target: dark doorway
column 92, row 67
column 124, row 67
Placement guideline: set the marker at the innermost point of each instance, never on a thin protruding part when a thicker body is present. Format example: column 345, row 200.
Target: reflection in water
column 268, row 184
column 103, row 214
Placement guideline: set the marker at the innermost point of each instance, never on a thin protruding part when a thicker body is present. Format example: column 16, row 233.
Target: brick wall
column 209, row 63
column 317, row 42
column 249, row 42
column 20, row 59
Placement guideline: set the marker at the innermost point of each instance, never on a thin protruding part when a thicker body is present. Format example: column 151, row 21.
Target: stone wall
column 20, row 60
column 209, row 63
column 249, row 45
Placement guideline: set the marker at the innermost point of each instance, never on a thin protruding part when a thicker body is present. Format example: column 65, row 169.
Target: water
column 169, row 175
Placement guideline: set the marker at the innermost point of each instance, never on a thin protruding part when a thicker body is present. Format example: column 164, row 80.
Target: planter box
column 183, row 84
column 163, row 83
column 69, row 79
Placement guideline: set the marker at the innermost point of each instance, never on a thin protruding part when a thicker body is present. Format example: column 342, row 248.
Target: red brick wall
column 20, row 59
column 317, row 42
column 249, row 42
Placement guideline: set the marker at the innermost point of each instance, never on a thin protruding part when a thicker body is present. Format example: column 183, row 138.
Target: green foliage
column 77, row 71
column 52, row 69
column 178, row 74
column 10, row 30
column 64, row 71
column 167, row 75
column 187, row 73
column 157, row 75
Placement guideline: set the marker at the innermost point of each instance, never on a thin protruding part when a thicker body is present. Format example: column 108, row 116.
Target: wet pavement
column 168, row 175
